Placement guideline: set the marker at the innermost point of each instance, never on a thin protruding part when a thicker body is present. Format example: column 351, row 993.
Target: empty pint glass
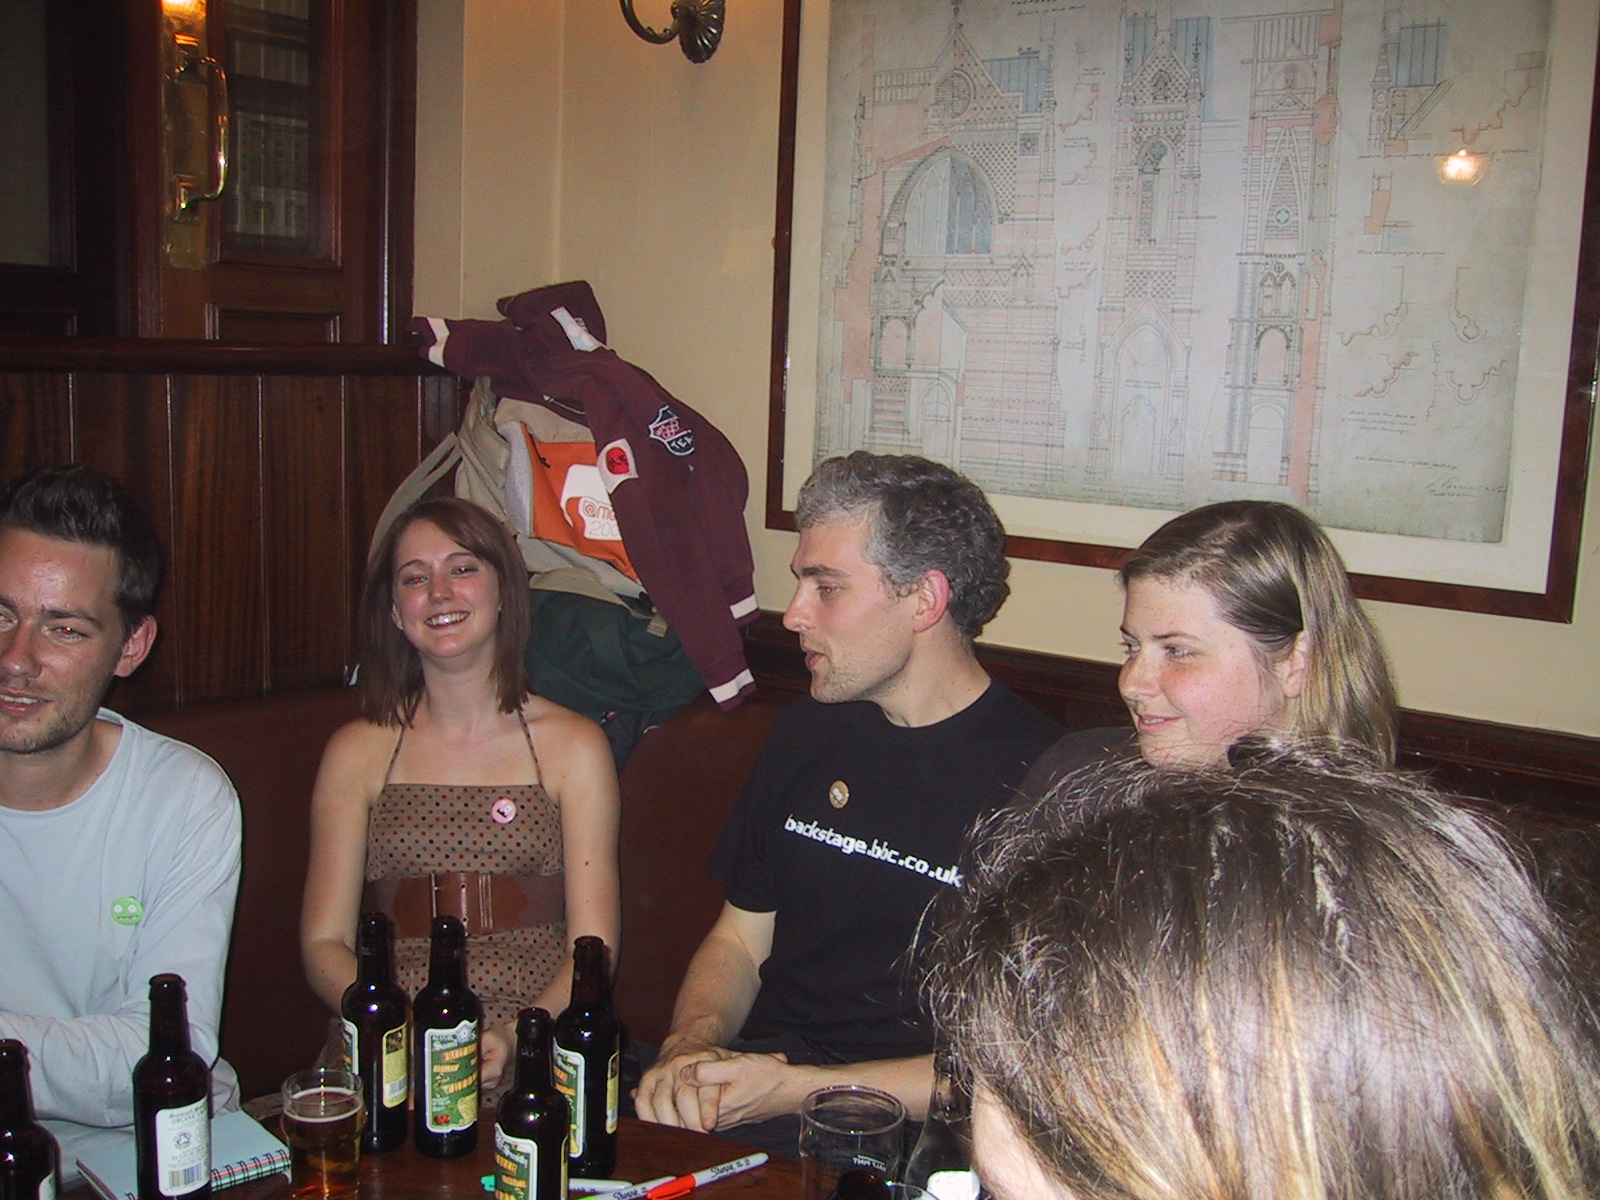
column 850, row 1142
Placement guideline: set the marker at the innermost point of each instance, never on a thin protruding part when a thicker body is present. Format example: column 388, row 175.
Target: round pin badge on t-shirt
column 503, row 810
column 126, row 910
column 838, row 793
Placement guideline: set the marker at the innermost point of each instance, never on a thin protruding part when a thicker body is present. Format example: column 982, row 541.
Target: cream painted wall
column 489, row 99
column 577, row 151
column 437, row 274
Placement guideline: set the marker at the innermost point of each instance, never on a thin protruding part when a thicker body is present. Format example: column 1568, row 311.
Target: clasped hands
column 697, row 1086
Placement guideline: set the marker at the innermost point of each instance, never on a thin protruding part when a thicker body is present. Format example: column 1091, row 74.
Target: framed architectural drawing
column 1116, row 260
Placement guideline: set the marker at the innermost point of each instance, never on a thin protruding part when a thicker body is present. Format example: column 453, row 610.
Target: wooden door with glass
column 232, row 170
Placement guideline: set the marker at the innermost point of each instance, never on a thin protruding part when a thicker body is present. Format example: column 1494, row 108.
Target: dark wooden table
column 644, row 1151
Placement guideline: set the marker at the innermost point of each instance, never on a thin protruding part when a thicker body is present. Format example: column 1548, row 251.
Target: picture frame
column 1537, row 454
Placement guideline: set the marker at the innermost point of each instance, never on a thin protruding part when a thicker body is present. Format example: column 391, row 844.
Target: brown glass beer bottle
column 171, row 1102
column 588, row 1058
column 530, row 1134
column 374, row 1011
column 444, row 1049
column 28, row 1154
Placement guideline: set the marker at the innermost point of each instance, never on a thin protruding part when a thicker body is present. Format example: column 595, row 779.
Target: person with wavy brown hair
column 459, row 790
column 1304, row 978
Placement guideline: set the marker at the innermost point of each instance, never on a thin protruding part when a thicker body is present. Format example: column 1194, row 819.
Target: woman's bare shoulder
column 553, row 725
column 363, row 735
column 536, row 709
column 357, row 748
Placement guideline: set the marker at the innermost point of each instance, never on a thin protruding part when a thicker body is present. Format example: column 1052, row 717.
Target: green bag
column 597, row 656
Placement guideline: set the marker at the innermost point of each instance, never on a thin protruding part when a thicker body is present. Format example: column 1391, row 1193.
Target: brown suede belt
column 484, row 902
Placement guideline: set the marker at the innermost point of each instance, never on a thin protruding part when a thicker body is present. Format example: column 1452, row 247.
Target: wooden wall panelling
column 444, row 400
column 216, row 548
column 120, row 426
column 263, row 472
column 308, row 584
column 38, row 420
column 383, row 430
column 257, row 328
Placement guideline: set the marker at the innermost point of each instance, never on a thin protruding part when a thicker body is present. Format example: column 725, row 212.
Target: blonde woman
column 1238, row 618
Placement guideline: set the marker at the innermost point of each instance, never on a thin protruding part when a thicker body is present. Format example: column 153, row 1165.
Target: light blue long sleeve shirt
column 136, row 877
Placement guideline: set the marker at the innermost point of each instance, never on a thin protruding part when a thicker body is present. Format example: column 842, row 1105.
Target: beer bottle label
column 183, row 1148
column 396, row 1079
column 352, row 1045
column 47, row 1187
column 569, row 1073
column 516, row 1166
column 450, row 1066
column 516, row 1169
column 613, row 1073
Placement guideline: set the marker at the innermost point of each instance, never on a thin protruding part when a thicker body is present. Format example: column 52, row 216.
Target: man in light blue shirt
column 119, row 848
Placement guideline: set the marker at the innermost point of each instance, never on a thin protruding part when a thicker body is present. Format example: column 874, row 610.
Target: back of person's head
column 921, row 516
column 1304, row 979
column 1273, row 573
column 391, row 669
column 76, row 504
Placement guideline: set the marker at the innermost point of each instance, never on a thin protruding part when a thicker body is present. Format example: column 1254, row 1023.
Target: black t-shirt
column 1087, row 747
column 848, row 882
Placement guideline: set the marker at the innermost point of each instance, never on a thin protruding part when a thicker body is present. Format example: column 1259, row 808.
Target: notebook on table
column 241, row 1150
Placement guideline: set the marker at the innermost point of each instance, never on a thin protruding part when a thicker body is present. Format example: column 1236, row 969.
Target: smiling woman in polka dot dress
column 459, row 791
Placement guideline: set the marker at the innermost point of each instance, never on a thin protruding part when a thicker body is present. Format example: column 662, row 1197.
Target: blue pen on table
column 684, row 1184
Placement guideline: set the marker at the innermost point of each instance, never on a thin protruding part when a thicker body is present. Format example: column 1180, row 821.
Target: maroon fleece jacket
column 677, row 484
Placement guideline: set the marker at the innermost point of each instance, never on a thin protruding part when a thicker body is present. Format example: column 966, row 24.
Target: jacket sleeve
column 658, row 458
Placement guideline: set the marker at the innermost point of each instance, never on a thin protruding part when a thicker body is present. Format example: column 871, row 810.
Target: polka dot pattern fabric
column 419, row 829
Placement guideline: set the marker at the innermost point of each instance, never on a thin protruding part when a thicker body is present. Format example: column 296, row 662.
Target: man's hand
column 751, row 1087
column 717, row 992
column 696, row 1086
column 711, row 1087
column 665, row 1096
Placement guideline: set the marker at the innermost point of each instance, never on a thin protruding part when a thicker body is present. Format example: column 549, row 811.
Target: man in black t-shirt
column 852, row 820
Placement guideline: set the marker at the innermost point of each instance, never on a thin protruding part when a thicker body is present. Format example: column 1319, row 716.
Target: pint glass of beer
column 322, row 1121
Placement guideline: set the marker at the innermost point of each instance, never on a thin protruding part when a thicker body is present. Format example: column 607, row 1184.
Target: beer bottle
column 588, row 1056
column 374, row 1010
column 171, row 1102
column 28, row 1155
column 941, row 1161
column 530, row 1135
column 444, row 1049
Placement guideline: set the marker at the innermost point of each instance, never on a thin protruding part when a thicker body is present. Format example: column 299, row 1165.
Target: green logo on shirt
column 125, row 910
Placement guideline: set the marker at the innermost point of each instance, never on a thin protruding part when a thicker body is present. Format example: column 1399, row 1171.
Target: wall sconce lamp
column 1461, row 167
column 697, row 24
